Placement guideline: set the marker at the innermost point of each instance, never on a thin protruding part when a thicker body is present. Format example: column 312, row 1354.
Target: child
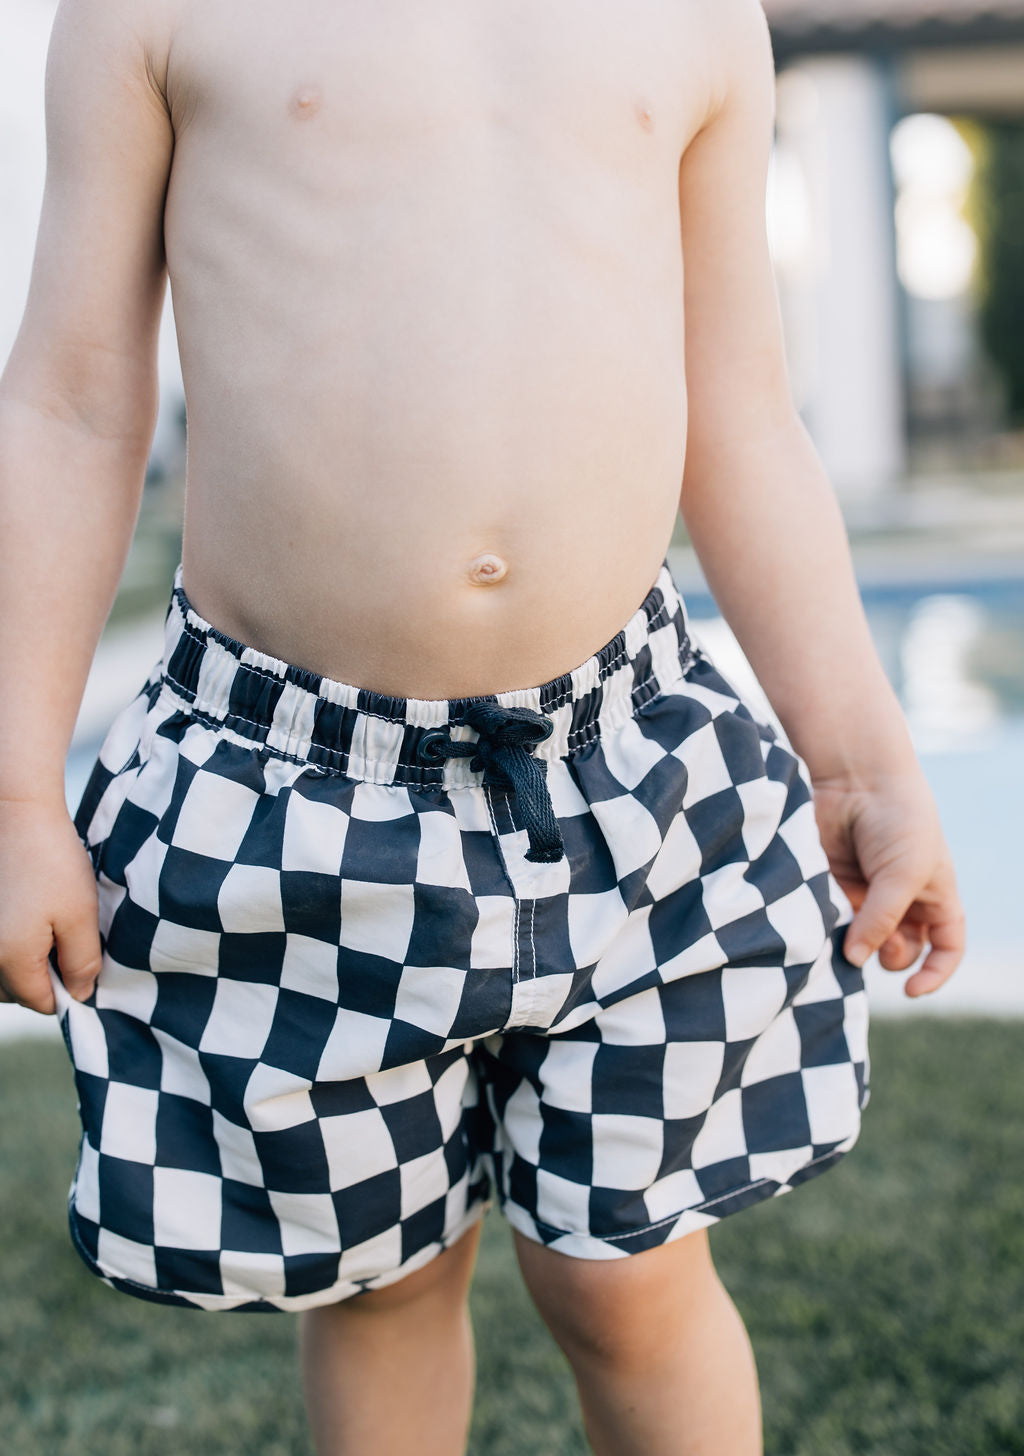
column 434, row 863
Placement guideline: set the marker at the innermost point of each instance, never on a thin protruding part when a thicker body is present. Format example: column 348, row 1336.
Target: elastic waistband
column 300, row 715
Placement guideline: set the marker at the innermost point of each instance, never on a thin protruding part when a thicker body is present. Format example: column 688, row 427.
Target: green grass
column 885, row 1299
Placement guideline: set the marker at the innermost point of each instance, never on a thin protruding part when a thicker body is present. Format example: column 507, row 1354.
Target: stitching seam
column 508, row 880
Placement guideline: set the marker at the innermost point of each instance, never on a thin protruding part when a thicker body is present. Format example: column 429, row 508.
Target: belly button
column 487, row 569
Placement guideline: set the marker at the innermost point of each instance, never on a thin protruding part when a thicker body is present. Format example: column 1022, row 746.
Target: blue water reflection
column 955, row 656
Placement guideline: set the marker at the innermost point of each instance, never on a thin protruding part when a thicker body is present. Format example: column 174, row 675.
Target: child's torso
column 428, row 284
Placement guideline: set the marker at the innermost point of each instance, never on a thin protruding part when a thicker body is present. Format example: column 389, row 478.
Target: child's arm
column 77, row 413
column 765, row 523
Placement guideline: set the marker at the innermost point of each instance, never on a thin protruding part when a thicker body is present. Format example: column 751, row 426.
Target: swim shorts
column 370, row 963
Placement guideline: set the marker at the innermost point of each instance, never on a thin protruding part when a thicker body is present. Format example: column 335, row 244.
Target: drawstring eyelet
column 428, row 750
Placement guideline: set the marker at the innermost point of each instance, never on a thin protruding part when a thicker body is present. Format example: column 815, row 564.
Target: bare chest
column 349, row 89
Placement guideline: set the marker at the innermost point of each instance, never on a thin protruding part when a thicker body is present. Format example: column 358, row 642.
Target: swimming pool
column 954, row 653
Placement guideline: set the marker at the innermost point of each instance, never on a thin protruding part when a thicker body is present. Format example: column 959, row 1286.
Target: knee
column 620, row 1314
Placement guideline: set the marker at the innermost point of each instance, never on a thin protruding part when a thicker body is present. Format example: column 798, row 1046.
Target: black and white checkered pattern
column 339, row 1010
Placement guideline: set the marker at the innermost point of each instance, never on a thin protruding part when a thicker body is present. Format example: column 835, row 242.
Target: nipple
column 305, row 101
column 487, row 569
column 644, row 117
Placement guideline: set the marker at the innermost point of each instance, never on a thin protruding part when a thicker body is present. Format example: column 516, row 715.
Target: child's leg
column 660, row 1354
column 391, row 1371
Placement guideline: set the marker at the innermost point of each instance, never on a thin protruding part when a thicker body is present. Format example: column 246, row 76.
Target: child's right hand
column 47, row 894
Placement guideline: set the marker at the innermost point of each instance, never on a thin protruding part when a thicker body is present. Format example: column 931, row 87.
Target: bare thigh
column 621, row 1310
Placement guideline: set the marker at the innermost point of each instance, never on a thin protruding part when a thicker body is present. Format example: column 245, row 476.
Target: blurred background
column 896, row 219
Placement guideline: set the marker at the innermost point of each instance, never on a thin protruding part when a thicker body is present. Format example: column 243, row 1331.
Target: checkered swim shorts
column 355, row 985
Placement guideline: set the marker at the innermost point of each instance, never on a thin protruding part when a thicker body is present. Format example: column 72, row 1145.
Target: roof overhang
column 797, row 35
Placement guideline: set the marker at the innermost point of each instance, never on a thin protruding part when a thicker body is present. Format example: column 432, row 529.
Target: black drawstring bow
column 502, row 752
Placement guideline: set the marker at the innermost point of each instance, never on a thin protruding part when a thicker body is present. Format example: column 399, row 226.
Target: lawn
column 885, row 1299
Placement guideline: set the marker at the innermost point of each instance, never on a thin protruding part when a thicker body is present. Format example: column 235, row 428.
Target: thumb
column 886, row 902
column 79, row 953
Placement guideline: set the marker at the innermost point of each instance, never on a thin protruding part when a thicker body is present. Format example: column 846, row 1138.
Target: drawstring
column 506, row 735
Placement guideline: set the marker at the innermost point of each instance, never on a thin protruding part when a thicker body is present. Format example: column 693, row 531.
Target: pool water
column 955, row 656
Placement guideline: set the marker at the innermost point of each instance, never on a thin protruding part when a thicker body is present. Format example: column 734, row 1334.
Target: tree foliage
column 1000, row 214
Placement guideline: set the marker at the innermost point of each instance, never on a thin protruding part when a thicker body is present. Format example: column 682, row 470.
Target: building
column 848, row 71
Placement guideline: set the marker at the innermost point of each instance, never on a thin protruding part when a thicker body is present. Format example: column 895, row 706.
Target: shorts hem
column 583, row 1245
column 335, row 1293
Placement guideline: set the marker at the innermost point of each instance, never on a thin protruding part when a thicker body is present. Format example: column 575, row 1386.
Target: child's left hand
column 886, row 848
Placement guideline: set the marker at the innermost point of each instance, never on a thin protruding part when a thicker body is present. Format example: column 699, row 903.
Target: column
column 839, row 289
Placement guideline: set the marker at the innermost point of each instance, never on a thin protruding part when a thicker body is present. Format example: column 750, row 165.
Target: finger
column 900, row 950
column 30, row 988
column 79, row 954
column 948, row 939
column 888, row 898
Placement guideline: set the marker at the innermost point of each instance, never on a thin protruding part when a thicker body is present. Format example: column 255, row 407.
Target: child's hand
column 886, row 848
column 47, row 893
